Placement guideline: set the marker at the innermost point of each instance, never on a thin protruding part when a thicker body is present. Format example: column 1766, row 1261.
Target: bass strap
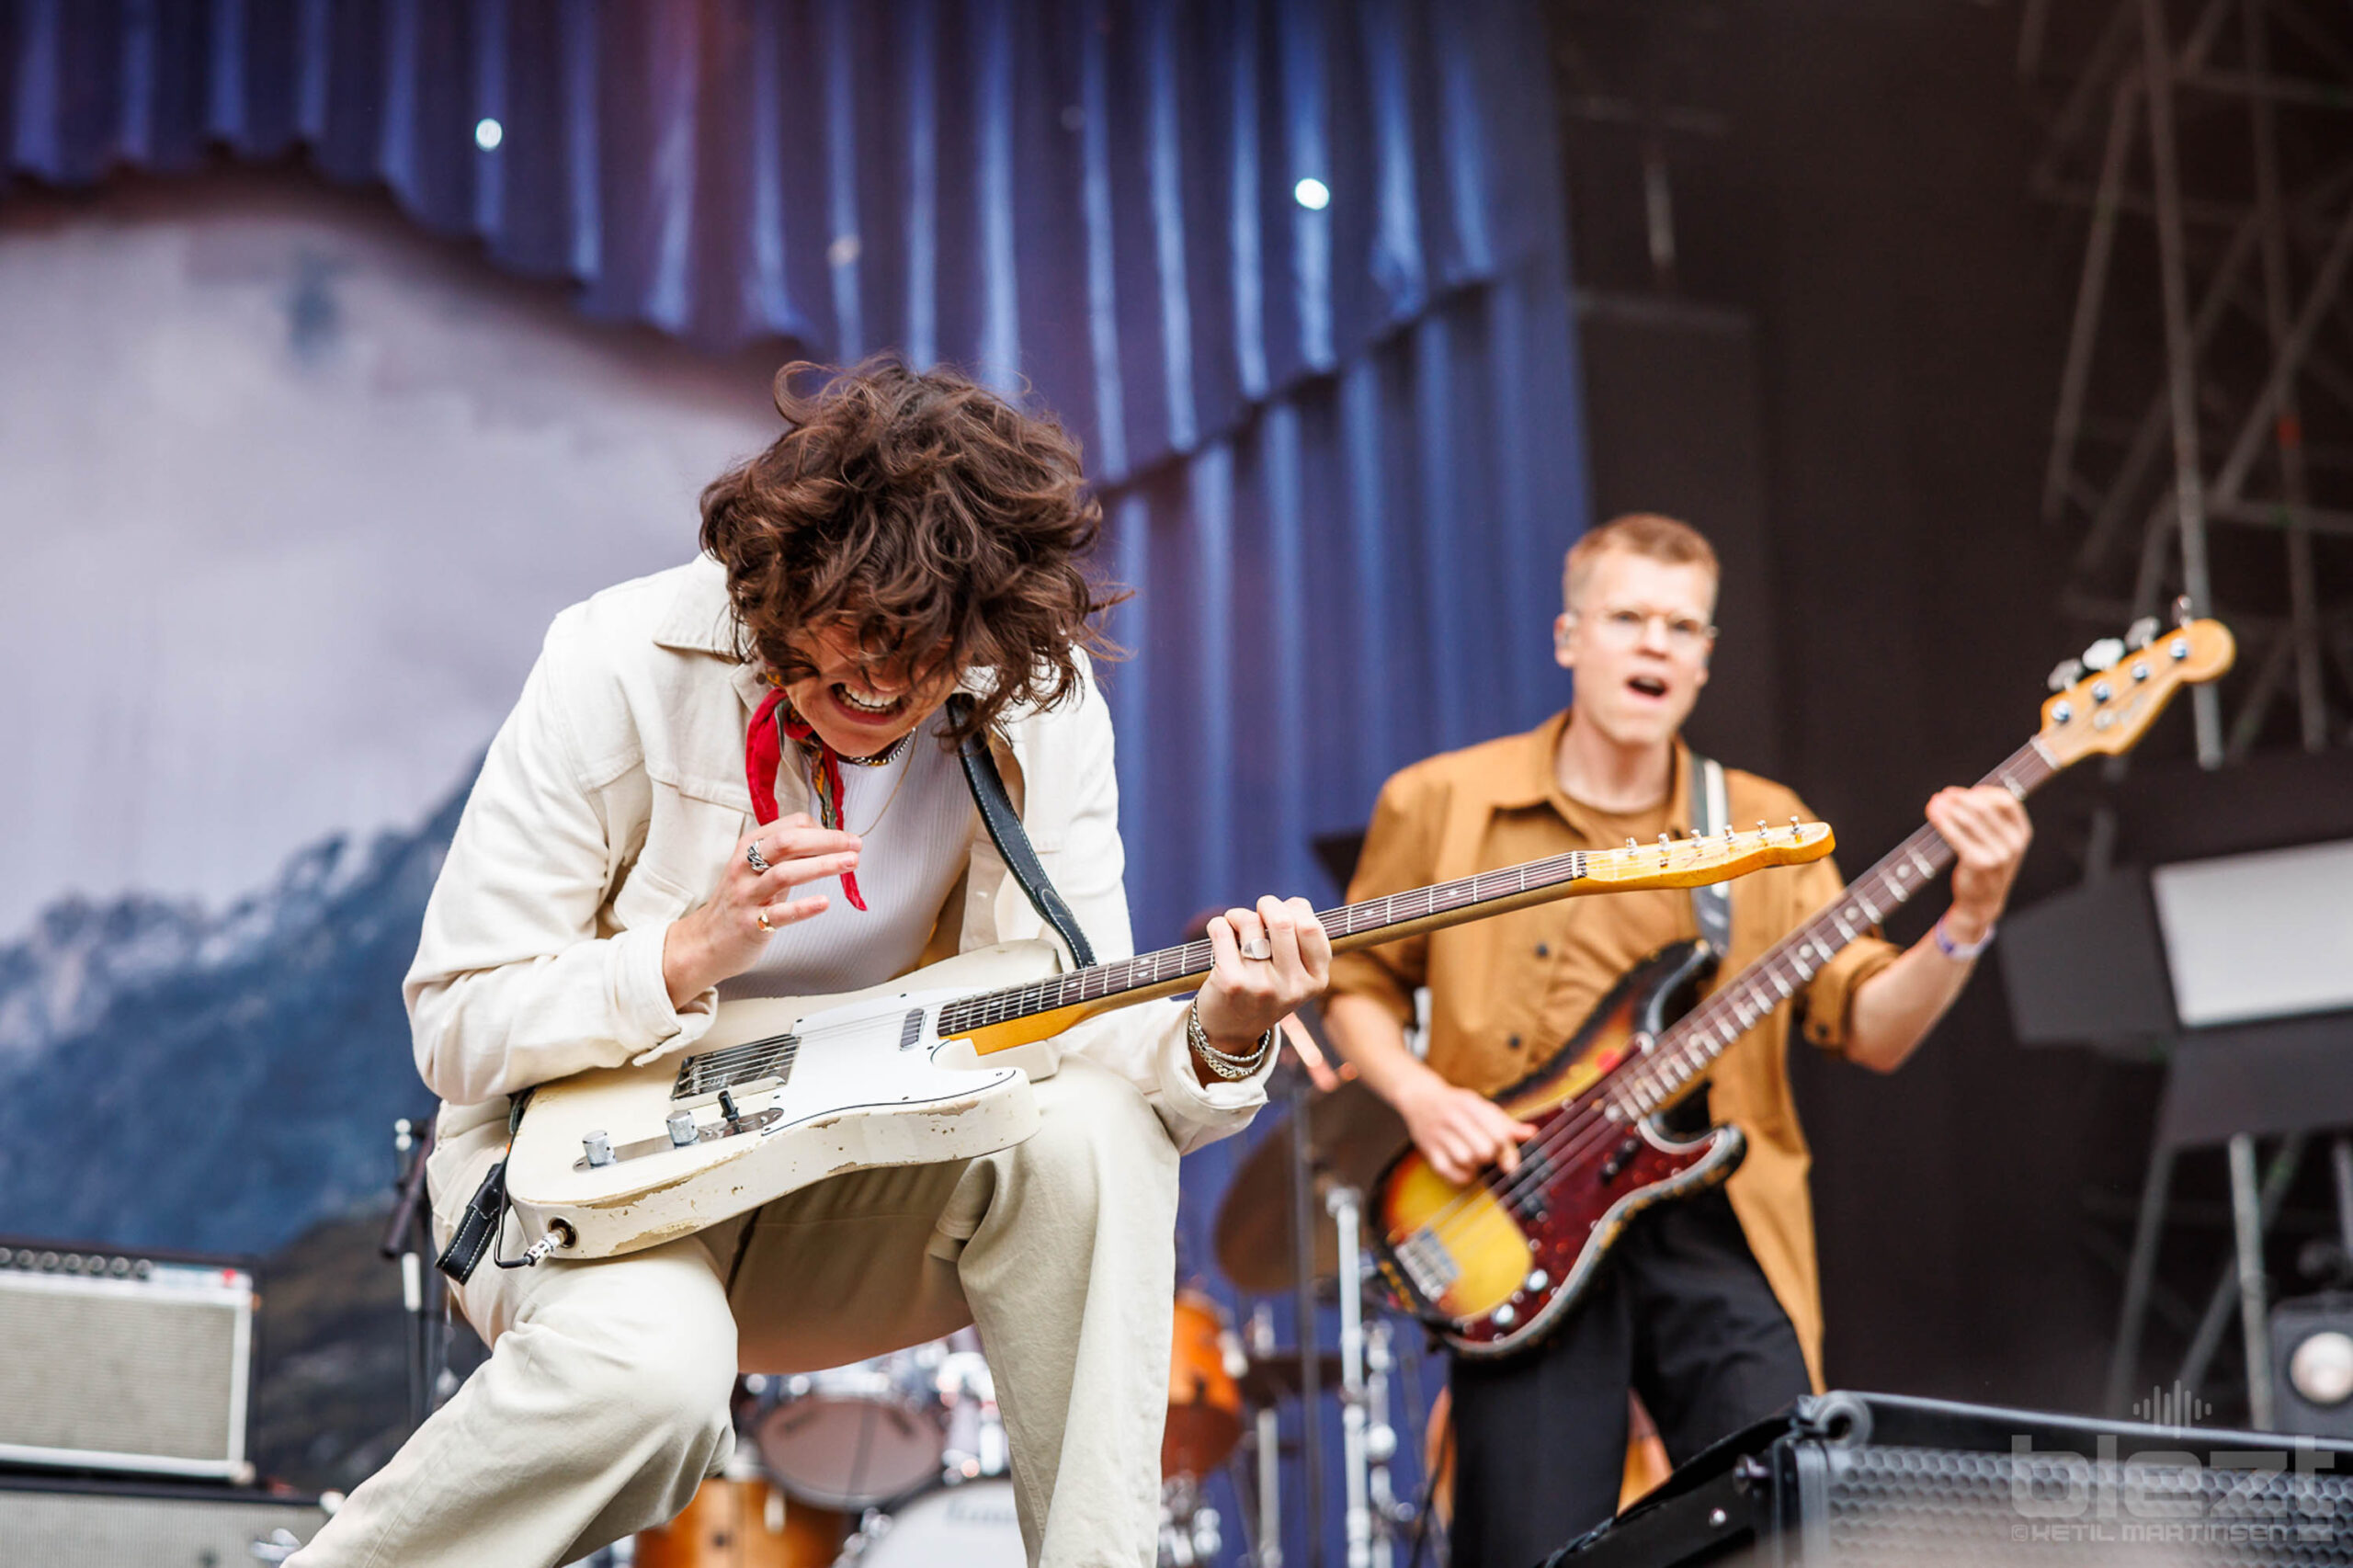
column 1011, row 839
column 1709, row 811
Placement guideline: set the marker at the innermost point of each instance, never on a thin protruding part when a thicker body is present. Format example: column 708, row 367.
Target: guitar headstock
column 2106, row 700
column 1714, row 858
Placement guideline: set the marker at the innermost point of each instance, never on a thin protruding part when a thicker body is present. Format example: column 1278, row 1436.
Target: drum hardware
column 970, row 1524
column 1191, row 1531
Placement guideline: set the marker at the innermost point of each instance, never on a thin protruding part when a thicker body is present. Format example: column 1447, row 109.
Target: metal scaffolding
column 2210, row 328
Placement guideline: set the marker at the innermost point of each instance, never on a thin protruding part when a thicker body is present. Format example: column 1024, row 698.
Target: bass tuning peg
column 2181, row 611
column 2103, row 654
column 2142, row 632
column 2064, row 674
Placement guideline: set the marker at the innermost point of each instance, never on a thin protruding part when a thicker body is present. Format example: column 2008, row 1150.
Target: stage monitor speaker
column 1855, row 1479
column 50, row 1522
column 2312, row 1357
column 124, row 1362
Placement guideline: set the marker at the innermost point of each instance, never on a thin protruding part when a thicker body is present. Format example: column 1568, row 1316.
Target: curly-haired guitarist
column 737, row 779
column 1709, row 1307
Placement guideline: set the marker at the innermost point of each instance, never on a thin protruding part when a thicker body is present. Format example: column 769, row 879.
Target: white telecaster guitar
column 784, row 1092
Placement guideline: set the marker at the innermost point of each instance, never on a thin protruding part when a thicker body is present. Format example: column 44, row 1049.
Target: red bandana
column 764, row 754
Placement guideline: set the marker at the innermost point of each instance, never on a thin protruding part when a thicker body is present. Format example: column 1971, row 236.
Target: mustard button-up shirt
column 1509, row 993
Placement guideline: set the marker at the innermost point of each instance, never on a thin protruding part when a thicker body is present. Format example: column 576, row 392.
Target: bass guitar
column 785, row 1092
column 1492, row 1264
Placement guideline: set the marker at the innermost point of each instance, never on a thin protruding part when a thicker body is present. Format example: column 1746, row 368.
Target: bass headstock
column 2105, row 701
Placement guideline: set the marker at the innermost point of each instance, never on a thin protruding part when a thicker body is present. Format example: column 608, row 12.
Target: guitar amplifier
column 1879, row 1479
column 124, row 1362
column 49, row 1521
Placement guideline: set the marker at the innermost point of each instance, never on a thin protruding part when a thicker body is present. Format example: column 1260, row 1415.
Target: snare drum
column 858, row 1436
column 971, row 1526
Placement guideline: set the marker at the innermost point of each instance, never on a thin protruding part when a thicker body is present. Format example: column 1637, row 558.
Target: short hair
column 934, row 517
column 1637, row 533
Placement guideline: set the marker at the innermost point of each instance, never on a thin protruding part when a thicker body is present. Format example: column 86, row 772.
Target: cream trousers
column 604, row 1402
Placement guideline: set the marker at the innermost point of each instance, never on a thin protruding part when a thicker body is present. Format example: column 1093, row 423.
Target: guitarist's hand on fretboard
column 1244, row 997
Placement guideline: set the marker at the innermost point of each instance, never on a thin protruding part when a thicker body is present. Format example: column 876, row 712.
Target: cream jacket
column 613, row 797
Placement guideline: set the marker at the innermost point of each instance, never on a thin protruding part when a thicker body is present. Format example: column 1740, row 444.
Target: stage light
column 1312, row 193
column 488, row 134
column 2321, row 1369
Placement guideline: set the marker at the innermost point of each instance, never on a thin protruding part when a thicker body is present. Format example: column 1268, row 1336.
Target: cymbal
column 1352, row 1133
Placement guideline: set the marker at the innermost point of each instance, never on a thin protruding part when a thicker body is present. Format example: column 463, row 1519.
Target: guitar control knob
column 681, row 1124
column 599, row 1148
column 1504, row 1316
column 1538, row 1281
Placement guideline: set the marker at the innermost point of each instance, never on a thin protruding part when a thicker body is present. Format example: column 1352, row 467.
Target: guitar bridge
column 760, row 1062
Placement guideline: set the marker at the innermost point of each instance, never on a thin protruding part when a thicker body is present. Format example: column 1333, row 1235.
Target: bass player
column 1709, row 1308
column 737, row 777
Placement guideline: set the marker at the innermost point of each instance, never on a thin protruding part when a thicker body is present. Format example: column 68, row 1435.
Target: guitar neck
column 1171, row 970
column 1688, row 1047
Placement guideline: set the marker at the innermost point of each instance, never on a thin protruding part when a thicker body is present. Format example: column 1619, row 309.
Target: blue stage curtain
column 1339, row 445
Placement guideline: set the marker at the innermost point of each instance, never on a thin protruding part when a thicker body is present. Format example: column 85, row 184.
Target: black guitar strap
column 1012, row 840
column 1709, row 811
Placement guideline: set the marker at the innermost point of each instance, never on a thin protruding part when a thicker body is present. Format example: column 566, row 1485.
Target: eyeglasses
column 1624, row 626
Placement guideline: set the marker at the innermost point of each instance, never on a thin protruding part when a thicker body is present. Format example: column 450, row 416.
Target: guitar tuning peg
column 2181, row 611
column 2104, row 654
column 2140, row 633
column 2064, row 674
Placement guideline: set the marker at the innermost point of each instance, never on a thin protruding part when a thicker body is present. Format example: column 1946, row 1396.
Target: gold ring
column 762, row 920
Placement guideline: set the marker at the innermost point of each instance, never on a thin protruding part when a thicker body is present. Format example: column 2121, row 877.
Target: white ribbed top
column 910, row 860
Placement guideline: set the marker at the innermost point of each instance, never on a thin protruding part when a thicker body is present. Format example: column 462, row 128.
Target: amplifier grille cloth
column 96, row 1531
column 124, row 1372
column 1944, row 1509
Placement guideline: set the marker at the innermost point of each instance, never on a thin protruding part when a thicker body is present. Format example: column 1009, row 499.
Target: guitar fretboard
column 1353, row 923
column 1686, row 1048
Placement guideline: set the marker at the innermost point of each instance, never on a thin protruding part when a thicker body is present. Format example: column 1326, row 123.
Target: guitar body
column 821, row 1087
column 1493, row 1278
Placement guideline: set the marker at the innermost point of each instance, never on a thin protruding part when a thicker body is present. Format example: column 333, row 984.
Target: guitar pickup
column 1620, row 1158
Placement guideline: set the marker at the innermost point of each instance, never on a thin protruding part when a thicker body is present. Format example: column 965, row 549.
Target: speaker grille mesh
column 123, row 1369
column 95, row 1532
column 1942, row 1508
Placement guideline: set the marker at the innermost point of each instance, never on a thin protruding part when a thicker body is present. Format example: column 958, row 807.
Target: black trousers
column 1681, row 1314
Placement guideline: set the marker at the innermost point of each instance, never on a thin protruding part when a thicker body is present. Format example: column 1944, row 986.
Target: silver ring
column 753, row 857
column 1257, row 947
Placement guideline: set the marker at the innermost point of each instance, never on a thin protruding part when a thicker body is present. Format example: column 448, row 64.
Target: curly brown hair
column 935, row 518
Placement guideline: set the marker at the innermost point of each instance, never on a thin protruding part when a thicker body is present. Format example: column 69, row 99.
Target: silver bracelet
column 1224, row 1063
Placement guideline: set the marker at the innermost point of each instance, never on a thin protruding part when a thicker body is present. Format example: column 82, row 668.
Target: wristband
column 1959, row 952
column 1224, row 1064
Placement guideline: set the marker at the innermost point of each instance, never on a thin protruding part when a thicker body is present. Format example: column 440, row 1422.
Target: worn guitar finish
column 785, row 1093
column 1495, row 1264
